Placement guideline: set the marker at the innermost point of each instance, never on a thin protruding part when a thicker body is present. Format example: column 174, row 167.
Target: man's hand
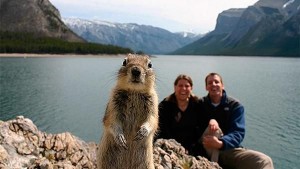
column 212, row 142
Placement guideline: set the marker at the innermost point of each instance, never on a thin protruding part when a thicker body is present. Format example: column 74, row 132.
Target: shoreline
column 71, row 55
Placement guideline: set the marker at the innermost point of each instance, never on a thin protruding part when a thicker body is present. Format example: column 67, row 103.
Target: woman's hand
column 213, row 126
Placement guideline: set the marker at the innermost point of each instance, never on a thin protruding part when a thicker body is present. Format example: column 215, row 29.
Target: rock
column 22, row 145
column 3, row 156
column 169, row 154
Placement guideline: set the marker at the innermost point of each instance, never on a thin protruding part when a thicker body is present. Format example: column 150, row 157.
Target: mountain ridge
column 145, row 38
column 38, row 17
column 35, row 26
column 251, row 32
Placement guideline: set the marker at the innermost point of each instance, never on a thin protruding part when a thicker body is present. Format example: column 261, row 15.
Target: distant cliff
column 268, row 28
column 39, row 17
column 227, row 20
column 149, row 39
column 22, row 145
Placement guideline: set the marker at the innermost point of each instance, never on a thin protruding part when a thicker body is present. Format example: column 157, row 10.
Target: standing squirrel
column 131, row 118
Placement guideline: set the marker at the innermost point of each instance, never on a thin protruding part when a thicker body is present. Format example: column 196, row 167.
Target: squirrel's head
column 136, row 73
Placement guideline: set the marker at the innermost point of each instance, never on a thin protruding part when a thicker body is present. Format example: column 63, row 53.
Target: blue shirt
column 230, row 116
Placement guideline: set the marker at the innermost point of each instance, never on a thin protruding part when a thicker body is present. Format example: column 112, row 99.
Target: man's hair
column 185, row 77
column 213, row 74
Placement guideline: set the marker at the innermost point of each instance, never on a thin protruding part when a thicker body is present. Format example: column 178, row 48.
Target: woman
column 179, row 116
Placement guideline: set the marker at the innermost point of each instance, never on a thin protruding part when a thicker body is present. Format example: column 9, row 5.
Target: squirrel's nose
column 135, row 71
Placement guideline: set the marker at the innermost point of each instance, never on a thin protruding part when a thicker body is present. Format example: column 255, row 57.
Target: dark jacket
column 230, row 116
column 188, row 130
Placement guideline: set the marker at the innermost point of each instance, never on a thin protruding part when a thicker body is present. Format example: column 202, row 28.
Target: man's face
column 214, row 86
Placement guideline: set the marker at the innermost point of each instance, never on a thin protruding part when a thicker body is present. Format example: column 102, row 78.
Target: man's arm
column 236, row 132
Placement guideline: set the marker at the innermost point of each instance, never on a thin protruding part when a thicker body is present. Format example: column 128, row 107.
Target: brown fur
column 131, row 118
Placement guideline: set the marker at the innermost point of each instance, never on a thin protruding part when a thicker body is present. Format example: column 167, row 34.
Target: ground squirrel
column 131, row 118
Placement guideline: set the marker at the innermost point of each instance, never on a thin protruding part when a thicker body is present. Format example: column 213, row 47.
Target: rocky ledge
column 22, row 145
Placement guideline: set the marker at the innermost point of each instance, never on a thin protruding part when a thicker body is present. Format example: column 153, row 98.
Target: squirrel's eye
column 149, row 65
column 124, row 62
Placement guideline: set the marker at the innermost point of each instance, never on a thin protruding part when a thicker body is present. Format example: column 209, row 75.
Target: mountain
column 148, row 39
column 227, row 20
column 267, row 28
column 35, row 26
column 38, row 17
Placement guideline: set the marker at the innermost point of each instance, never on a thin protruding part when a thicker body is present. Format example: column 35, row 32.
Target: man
column 229, row 114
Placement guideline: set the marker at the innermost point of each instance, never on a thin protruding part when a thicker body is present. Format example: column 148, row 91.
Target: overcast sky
column 174, row 15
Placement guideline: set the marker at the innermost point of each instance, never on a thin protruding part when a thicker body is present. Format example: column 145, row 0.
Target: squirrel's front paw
column 121, row 141
column 142, row 133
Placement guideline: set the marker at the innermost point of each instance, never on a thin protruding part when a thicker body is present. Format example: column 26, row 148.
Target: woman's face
column 183, row 89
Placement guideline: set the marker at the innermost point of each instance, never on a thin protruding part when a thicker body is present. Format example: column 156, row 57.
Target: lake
column 70, row 94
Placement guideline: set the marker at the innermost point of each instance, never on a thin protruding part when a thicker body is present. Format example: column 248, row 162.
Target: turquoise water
column 70, row 94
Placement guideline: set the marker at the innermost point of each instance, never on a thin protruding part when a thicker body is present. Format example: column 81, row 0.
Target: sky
column 198, row 16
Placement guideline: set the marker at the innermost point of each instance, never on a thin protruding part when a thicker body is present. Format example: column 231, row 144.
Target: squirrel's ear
column 149, row 65
column 124, row 62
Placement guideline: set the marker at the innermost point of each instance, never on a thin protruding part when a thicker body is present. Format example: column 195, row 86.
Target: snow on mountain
column 145, row 38
column 286, row 7
column 288, row 3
